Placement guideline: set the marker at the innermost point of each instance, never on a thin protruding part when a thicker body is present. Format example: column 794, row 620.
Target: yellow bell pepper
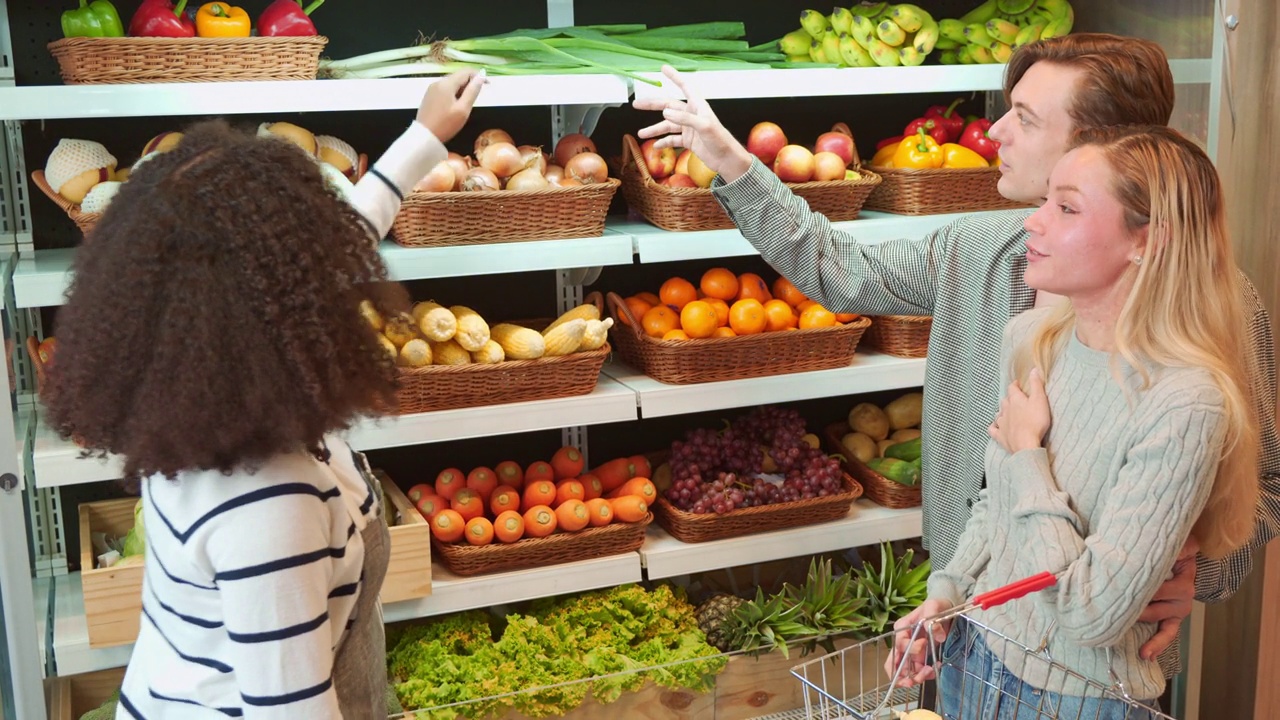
column 918, row 152
column 218, row 19
column 884, row 156
column 959, row 156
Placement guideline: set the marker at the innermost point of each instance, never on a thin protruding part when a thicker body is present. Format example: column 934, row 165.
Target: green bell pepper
column 92, row 19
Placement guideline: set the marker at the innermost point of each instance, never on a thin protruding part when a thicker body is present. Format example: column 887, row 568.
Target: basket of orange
column 510, row 517
column 730, row 327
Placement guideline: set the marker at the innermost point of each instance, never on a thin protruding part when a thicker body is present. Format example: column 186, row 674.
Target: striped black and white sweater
column 251, row 579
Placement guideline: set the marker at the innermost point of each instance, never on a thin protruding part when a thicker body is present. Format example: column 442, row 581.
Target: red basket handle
column 1013, row 591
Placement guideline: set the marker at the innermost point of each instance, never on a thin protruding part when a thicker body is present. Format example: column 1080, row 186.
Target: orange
column 724, row 332
column 698, row 319
column 649, row 298
column 779, row 314
column 638, row 307
column 678, row 292
column 747, row 317
column 720, row 283
column 676, row 334
column 816, row 316
column 784, row 290
column 752, row 286
column 722, row 310
column 803, row 305
column 847, row 317
column 659, row 321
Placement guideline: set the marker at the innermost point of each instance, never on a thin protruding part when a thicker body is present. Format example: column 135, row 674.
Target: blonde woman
column 1127, row 428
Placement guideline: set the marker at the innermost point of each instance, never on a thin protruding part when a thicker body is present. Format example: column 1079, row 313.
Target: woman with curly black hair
column 212, row 339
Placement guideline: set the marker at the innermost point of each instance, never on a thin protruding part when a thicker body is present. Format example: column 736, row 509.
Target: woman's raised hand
column 448, row 102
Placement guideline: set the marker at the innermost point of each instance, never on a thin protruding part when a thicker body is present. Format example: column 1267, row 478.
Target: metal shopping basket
column 852, row 683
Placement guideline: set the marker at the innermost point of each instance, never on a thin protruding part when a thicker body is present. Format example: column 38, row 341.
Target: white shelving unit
column 71, row 648
column 867, row 524
column 451, row 593
column 869, row 372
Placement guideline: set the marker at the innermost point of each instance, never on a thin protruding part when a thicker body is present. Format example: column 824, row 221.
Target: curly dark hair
column 213, row 319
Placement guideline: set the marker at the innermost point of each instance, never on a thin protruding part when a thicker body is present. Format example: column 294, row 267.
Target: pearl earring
column 1137, row 259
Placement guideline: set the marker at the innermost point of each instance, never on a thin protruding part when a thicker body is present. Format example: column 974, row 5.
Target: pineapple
column 714, row 616
column 894, row 590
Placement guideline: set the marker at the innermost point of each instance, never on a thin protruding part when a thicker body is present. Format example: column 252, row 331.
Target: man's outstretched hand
column 1172, row 602
column 690, row 123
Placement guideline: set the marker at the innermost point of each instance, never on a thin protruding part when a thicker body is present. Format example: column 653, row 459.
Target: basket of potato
column 881, row 449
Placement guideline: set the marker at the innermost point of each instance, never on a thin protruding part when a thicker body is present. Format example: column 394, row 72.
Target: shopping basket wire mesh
column 852, row 683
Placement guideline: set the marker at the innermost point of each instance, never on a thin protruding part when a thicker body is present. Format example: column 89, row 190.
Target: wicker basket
column 879, row 489
column 98, row 61
column 683, row 209
column 593, row 542
column 899, row 335
column 681, row 362
column 936, row 191
column 85, row 221
column 694, row 527
column 447, row 387
column 433, row 219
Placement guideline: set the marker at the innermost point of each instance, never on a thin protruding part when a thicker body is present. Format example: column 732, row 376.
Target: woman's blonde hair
column 1185, row 308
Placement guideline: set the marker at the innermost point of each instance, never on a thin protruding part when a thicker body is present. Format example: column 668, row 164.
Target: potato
column 905, row 411
column 859, row 445
column 811, row 440
column 882, row 445
column 869, row 420
column 904, row 435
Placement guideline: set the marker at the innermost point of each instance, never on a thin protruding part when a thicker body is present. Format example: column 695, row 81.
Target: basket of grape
column 764, row 472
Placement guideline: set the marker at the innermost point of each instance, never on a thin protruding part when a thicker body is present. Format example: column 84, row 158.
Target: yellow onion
column 571, row 145
column 587, row 168
column 479, row 179
column 528, row 179
column 441, row 179
column 553, row 174
column 489, row 137
column 533, row 157
column 501, row 159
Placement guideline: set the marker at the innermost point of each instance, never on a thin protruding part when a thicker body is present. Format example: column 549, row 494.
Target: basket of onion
column 509, row 193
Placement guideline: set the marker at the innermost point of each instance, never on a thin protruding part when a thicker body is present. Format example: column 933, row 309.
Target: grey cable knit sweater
column 1108, row 501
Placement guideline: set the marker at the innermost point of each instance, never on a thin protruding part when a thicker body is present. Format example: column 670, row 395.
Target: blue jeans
column 974, row 685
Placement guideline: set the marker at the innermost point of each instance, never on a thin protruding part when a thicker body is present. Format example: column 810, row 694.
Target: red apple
column 835, row 142
column 794, row 163
column 682, row 162
column 765, row 140
column 828, row 166
column 700, row 173
column 680, row 180
column 660, row 162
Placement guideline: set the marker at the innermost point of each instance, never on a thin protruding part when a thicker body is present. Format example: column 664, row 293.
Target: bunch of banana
column 872, row 34
column 991, row 32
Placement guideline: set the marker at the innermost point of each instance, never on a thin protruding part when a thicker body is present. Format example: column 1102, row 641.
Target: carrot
column 539, row 492
column 449, row 482
column 431, row 505
column 567, row 462
column 504, row 498
column 639, row 486
column 468, row 504
column 484, row 481
column 629, row 508
column 572, row 515
column 448, row 526
column 416, row 492
column 615, row 472
column 539, row 521
column 600, row 510
column 479, row 531
column 510, row 473
column 591, row 487
column 509, row 526
column 539, row 471
column 643, row 468
column 569, row 490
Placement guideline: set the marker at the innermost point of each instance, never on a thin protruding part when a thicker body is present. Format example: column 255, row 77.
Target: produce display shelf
column 41, row 279
column 652, row 244
column 869, row 372
column 71, row 651
column 822, row 82
column 451, row 593
column 867, row 524
column 23, row 423
column 58, row 462
column 35, row 102
column 41, row 588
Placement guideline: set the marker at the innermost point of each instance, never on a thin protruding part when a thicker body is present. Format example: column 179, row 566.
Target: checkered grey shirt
column 968, row 276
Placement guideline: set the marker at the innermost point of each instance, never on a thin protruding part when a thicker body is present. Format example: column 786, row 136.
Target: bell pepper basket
column 936, row 179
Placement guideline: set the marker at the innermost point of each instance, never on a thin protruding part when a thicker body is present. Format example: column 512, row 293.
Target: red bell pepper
column 895, row 140
column 161, row 18
column 287, row 18
column 934, row 126
column 950, row 119
column 975, row 138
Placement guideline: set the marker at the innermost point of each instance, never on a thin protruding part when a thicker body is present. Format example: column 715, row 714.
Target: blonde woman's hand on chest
column 1024, row 416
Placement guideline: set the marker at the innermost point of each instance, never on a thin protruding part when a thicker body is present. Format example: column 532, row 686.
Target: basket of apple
column 670, row 187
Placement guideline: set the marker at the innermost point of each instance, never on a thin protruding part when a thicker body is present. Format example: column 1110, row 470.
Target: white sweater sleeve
column 272, row 566
column 378, row 194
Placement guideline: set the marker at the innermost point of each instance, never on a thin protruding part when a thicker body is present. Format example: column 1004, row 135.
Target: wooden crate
column 409, row 572
column 112, row 596
column 70, row 697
